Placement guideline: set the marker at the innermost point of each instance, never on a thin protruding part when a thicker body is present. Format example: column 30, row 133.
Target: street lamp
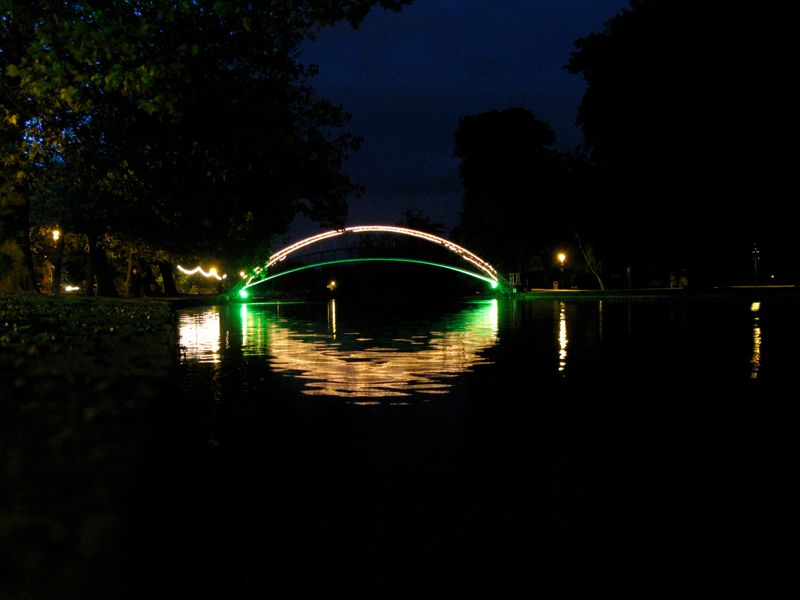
column 561, row 256
column 756, row 254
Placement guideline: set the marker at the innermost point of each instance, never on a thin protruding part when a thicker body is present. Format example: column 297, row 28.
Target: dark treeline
column 159, row 131
column 164, row 130
column 689, row 121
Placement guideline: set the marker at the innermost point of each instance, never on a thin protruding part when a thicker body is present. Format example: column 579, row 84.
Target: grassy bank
column 80, row 382
column 662, row 294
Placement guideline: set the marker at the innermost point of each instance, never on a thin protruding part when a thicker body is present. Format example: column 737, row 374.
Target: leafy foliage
column 188, row 124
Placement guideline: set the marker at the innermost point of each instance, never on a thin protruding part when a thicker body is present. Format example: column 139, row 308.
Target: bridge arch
column 260, row 274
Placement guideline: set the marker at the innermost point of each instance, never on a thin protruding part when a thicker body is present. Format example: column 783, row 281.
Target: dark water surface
column 498, row 449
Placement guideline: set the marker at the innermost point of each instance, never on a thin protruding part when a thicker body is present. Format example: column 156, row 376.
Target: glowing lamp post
column 58, row 240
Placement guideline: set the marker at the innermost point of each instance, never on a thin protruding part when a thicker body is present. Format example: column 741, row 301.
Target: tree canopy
column 190, row 124
column 690, row 114
column 511, row 207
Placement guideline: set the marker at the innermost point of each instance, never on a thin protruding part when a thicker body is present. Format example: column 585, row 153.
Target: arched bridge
column 475, row 266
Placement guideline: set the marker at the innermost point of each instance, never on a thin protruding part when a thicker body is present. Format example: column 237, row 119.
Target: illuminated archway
column 260, row 274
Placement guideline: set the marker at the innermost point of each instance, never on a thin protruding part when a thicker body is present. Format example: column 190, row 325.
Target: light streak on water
column 755, row 361
column 346, row 362
column 562, row 337
column 199, row 335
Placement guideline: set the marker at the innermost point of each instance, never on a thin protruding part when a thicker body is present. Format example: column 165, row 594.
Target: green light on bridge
column 493, row 283
column 244, row 293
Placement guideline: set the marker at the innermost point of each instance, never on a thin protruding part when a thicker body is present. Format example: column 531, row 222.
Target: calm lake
column 502, row 449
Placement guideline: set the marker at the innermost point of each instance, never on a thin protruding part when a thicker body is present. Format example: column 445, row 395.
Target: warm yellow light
column 365, row 369
column 56, row 235
column 561, row 258
column 331, row 285
column 71, row 288
column 755, row 306
column 210, row 273
column 242, row 274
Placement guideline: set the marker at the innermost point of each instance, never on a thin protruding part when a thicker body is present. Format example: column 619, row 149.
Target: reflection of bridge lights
column 354, row 365
column 243, row 316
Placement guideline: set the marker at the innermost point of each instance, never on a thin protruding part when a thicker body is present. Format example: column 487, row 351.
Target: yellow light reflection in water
column 332, row 317
column 562, row 337
column 344, row 362
column 199, row 335
column 755, row 361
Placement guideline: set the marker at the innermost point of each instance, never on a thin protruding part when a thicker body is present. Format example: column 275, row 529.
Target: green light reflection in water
column 347, row 358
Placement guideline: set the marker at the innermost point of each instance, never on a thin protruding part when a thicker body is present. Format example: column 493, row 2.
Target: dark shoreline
column 661, row 294
column 733, row 293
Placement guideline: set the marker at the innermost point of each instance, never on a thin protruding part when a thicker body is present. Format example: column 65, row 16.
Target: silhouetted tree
column 512, row 209
column 689, row 106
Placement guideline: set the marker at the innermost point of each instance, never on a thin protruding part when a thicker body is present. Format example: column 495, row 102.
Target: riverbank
column 56, row 346
column 82, row 382
column 665, row 294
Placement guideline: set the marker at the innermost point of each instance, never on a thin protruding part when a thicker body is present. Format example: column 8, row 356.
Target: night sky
column 407, row 78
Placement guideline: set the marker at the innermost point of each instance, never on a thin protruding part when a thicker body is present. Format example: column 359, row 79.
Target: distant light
column 243, row 293
column 212, row 272
column 494, row 285
column 242, row 274
column 56, row 235
column 71, row 288
column 561, row 258
column 331, row 285
column 755, row 306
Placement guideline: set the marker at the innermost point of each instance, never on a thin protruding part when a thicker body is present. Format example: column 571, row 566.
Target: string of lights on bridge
column 259, row 274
